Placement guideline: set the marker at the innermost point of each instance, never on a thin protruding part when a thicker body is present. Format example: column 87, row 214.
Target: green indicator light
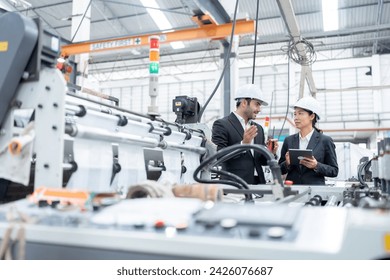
column 154, row 67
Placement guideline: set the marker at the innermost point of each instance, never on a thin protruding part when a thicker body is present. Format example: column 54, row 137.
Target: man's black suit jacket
column 228, row 131
column 323, row 150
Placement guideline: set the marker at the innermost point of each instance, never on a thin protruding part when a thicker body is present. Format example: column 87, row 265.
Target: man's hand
column 249, row 134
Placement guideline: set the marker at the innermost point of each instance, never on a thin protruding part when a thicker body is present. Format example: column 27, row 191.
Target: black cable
column 241, row 184
column 209, row 165
column 254, row 51
column 227, row 60
column 81, row 21
column 305, row 56
column 226, row 158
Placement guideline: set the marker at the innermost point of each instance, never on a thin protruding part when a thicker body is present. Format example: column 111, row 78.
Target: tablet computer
column 296, row 155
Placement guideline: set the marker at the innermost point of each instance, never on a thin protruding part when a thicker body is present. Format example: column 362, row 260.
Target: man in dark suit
column 309, row 171
column 236, row 128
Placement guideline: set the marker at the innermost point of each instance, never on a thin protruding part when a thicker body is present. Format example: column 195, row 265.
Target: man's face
column 253, row 108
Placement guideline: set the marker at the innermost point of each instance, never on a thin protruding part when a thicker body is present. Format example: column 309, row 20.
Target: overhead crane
column 205, row 31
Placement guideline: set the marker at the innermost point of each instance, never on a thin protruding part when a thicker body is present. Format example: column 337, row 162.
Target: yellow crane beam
column 209, row 31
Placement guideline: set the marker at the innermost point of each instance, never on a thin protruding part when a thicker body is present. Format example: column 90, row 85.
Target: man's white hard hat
column 311, row 104
column 250, row 91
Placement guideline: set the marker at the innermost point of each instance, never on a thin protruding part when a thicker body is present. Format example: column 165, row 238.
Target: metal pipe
column 93, row 113
column 101, row 95
column 332, row 201
column 156, row 129
column 80, row 131
column 338, row 90
column 153, row 128
column 73, row 108
column 292, row 198
column 132, row 115
column 181, row 147
column 97, row 114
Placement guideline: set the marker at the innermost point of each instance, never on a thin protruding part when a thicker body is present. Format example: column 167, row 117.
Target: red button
column 288, row 182
column 159, row 224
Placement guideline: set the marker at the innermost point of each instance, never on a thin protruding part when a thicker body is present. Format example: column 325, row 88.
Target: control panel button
column 159, row 224
column 276, row 232
column 228, row 223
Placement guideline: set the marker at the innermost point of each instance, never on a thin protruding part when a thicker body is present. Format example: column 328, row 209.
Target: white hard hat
column 250, row 91
column 309, row 103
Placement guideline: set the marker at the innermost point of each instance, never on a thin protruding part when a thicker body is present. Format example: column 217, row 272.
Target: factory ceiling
column 363, row 28
column 364, row 25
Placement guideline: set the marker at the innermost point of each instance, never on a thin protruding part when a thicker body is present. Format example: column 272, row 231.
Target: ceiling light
column 330, row 15
column 156, row 14
column 177, row 45
column 160, row 20
column 135, row 52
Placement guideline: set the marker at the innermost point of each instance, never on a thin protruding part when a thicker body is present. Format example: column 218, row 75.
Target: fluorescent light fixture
column 330, row 14
column 177, row 45
column 135, row 52
column 160, row 19
column 157, row 15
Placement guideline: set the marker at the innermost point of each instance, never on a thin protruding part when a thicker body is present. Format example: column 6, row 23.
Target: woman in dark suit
column 310, row 171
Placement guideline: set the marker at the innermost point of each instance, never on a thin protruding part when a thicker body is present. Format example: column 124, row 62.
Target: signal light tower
column 154, row 67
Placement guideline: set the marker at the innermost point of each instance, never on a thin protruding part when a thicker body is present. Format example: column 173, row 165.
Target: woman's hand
column 310, row 163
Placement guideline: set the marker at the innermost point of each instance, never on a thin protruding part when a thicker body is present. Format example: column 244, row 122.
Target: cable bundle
column 301, row 52
column 210, row 164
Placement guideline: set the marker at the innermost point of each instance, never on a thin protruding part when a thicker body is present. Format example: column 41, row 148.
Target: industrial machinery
column 72, row 147
column 187, row 228
column 78, row 141
column 186, row 109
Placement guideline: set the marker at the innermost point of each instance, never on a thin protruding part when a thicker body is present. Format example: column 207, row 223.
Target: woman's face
column 302, row 118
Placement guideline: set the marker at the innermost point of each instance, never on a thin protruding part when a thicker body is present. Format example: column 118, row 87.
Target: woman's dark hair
column 314, row 121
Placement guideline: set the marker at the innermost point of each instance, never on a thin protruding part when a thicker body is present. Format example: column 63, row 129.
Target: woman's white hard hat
column 250, row 91
column 309, row 103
